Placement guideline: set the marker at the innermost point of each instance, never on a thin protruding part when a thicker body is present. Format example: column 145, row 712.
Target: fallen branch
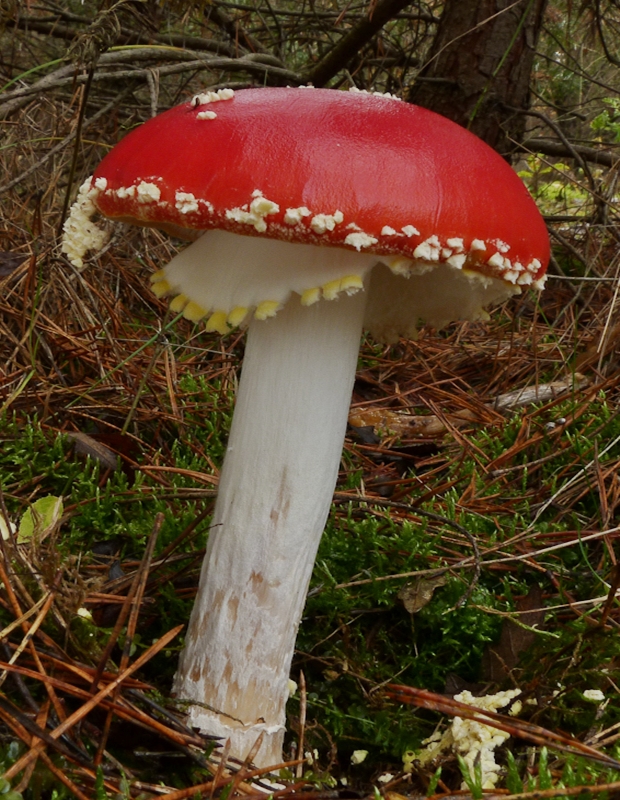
column 349, row 46
column 549, row 147
column 397, row 422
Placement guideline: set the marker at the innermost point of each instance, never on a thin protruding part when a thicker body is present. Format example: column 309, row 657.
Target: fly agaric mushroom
column 325, row 212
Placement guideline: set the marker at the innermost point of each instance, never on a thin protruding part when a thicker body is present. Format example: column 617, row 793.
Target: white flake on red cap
column 410, row 230
column 80, row 234
column 321, row 223
column 124, row 191
column 496, row 260
column 457, row 260
column 359, row 240
column 293, row 216
column 503, row 247
column 185, row 202
column 148, row 192
column 203, row 98
column 429, row 249
column 260, row 207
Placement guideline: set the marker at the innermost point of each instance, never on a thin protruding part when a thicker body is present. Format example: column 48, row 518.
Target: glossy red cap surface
column 327, row 167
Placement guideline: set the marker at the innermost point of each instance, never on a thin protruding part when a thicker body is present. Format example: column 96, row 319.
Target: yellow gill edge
column 217, row 322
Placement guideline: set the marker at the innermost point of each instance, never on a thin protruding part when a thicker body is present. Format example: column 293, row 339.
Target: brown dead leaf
column 499, row 659
column 416, row 595
column 542, row 393
column 85, row 445
column 397, row 422
column 386, row 421
column 9, row 262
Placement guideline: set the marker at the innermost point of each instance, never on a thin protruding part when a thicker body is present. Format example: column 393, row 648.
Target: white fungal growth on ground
column 594, row 695
column 473, row 740
column 80, row 233
column 358, row 756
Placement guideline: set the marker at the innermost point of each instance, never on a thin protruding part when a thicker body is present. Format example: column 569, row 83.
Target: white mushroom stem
column 275, row 493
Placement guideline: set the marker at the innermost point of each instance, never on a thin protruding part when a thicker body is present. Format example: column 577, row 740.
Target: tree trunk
column 478, row 70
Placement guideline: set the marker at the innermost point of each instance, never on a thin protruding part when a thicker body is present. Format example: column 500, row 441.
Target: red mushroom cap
column 319, row 166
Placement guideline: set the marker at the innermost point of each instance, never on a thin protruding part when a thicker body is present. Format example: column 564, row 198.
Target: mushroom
column 325, row 212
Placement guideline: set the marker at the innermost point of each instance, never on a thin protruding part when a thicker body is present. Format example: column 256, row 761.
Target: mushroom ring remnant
column 325, row 212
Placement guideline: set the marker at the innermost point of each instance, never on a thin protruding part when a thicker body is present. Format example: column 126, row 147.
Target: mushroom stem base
column 275, row 493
